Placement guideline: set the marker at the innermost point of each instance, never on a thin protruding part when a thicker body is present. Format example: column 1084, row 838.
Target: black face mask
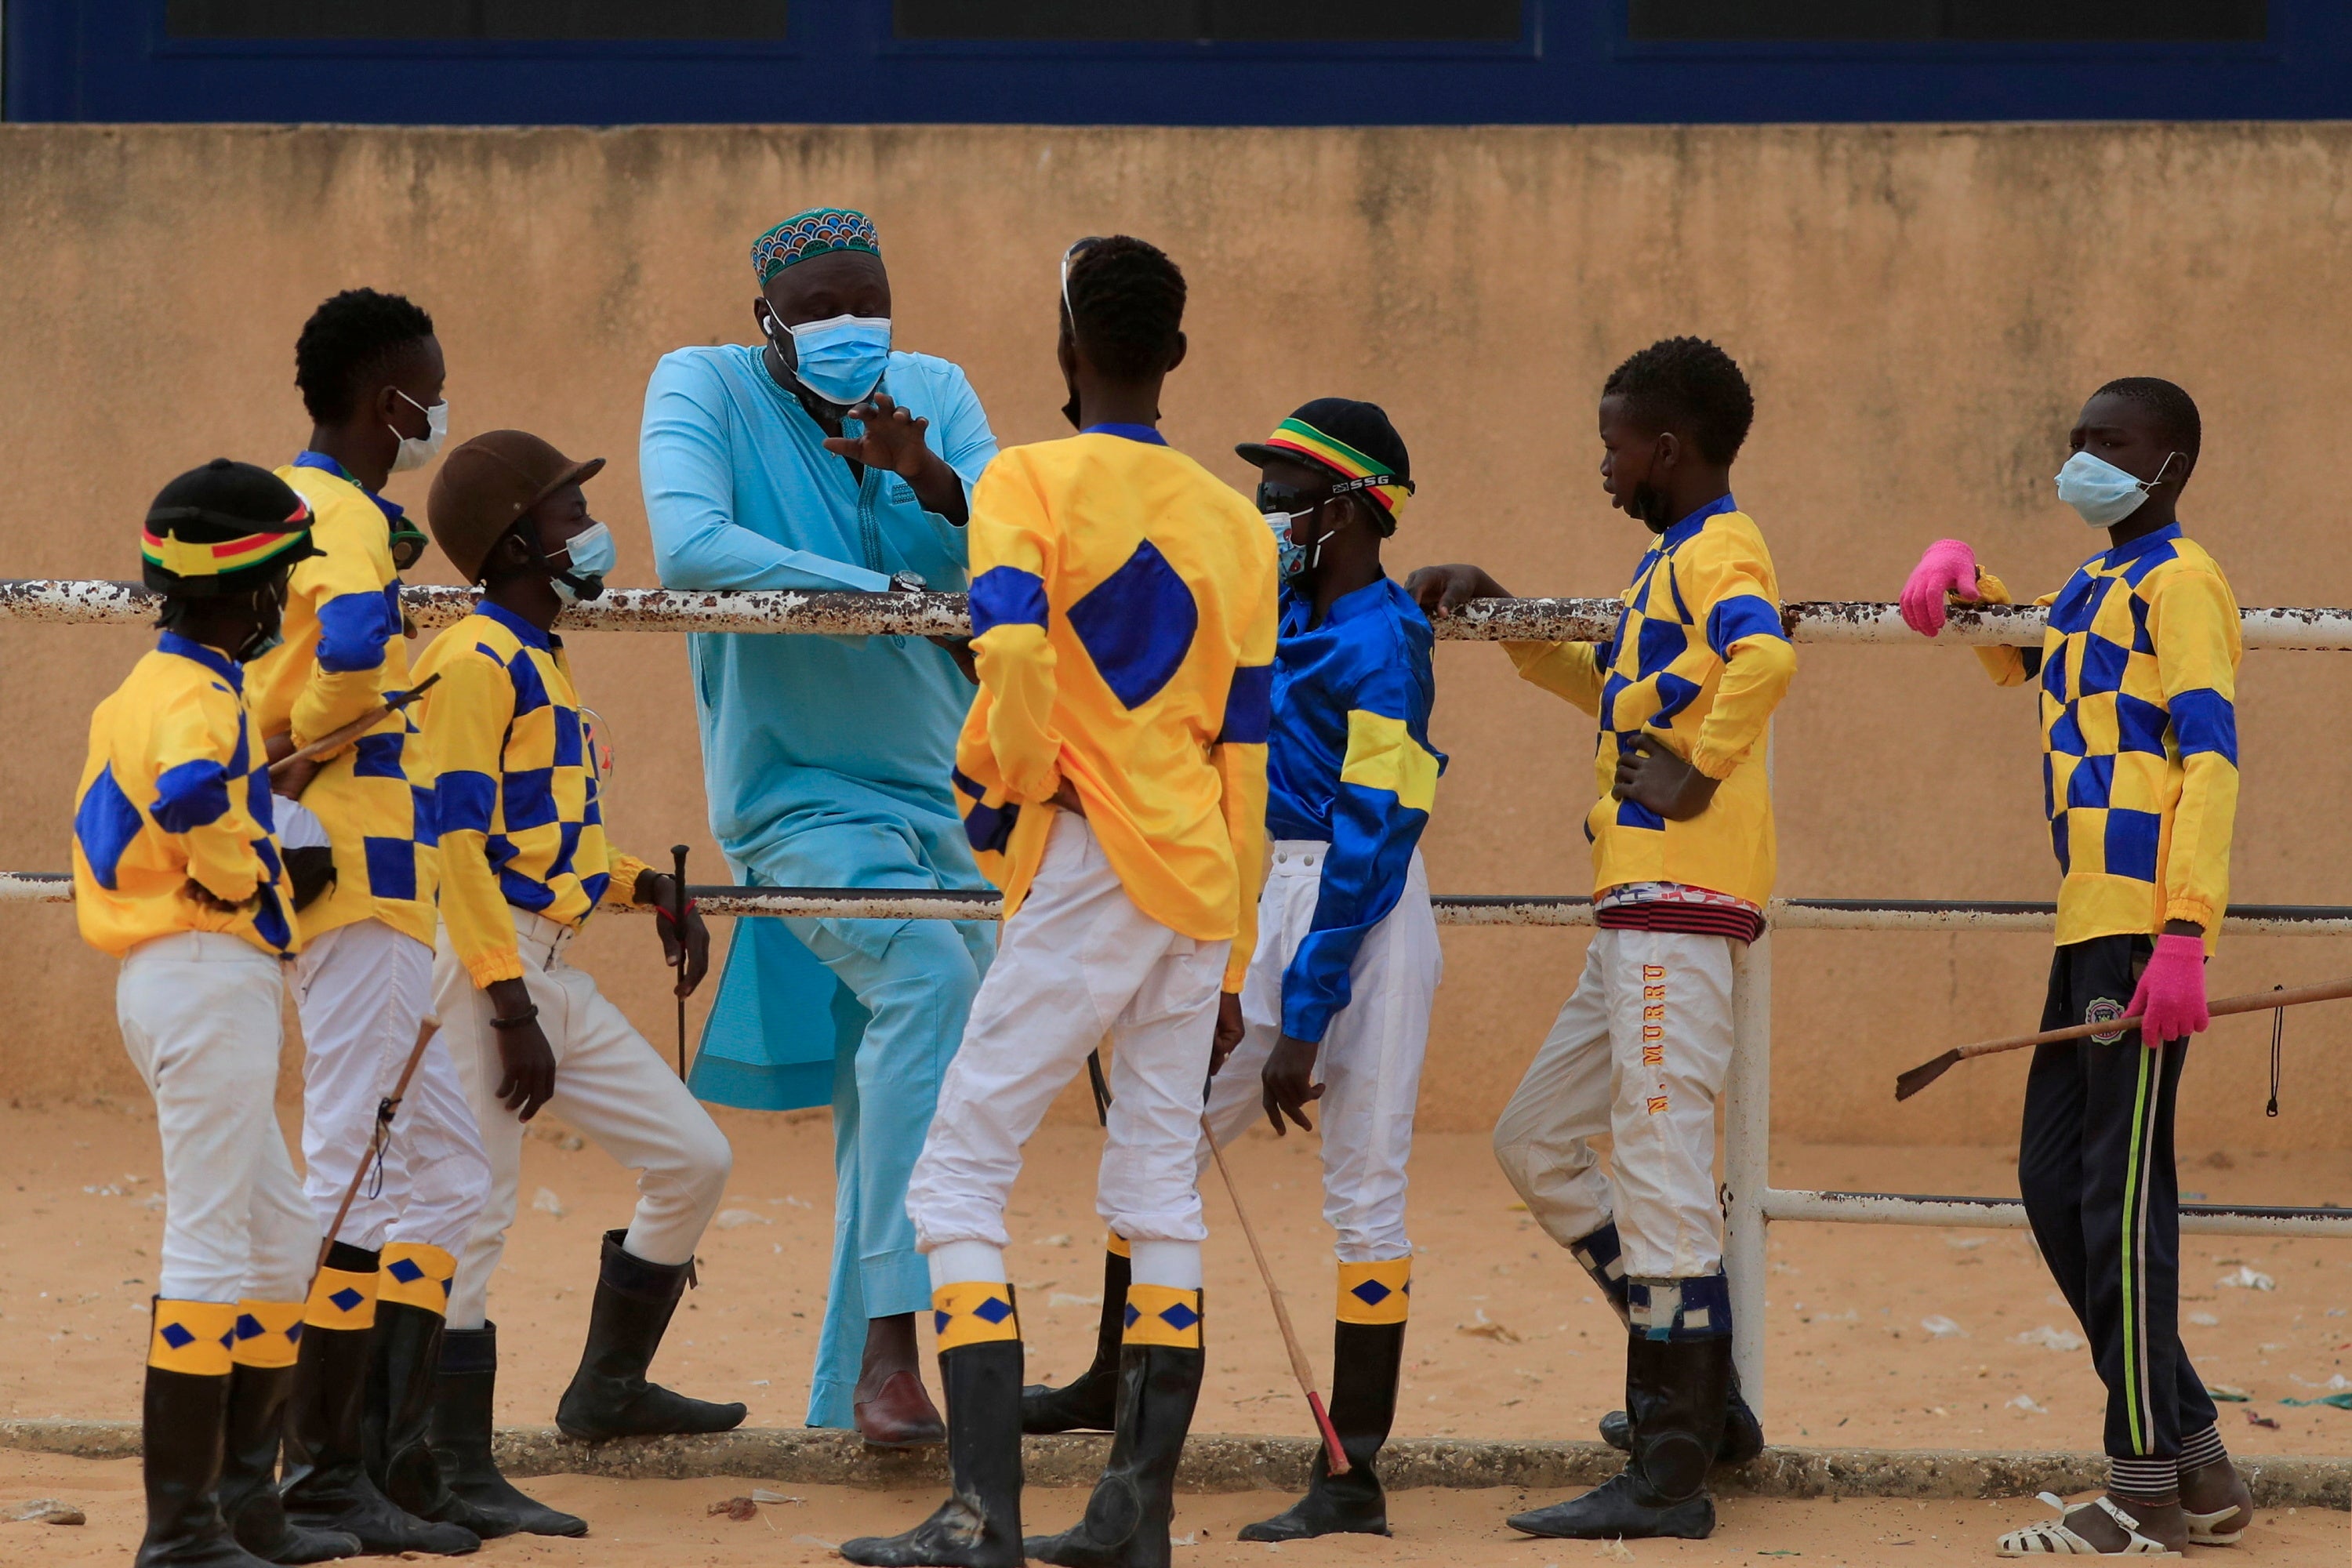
column 268, row 631
column 1650, row 506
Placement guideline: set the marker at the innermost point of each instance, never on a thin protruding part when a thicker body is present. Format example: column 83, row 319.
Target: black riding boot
column 327, row 1485
column 1365, row 1361
column 1743, row 1430
column 182, row 1422
column 249, row 1483
column 609, row 1396
column 1677, row 1391
column 401, row 1376
column 461, row 1438
column 1598, row 1256
column 980, row 1524
column 1127, row 1518
column 1090, row 1402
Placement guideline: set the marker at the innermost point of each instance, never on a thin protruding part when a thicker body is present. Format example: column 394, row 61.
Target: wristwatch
column 907, row 583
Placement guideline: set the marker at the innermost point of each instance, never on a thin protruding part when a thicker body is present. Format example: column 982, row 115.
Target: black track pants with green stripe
column 2094, row 1164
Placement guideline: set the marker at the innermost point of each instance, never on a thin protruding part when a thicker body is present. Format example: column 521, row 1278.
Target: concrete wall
column 1920, row 309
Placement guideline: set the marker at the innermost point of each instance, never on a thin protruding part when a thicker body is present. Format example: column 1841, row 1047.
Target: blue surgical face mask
column 842, row 358
column 2103, row 493
column 592, row 554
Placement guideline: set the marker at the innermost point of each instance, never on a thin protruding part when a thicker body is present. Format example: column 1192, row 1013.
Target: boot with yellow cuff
column 980, row 1371
column 327, row 1483
column 267, row 1338
column 1088, row 1402
column 1159, row 1366
column 184, row 1416
column 411, row 1311
column 1367, row 1354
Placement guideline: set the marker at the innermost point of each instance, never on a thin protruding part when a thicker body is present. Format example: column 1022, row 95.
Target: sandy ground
column 669, row 1522
column 1510, row 1340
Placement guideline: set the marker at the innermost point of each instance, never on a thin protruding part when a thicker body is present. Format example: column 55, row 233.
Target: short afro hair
column 1126, row 306
column 348, row 340
column 2175, row 410
column 1687, row 384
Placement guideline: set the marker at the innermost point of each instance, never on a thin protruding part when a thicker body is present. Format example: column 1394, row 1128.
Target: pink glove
column 2170, row 1000
column 1949, row 566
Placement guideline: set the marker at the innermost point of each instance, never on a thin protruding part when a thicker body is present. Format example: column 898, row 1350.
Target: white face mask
column 415, row 453
column 2104, row 494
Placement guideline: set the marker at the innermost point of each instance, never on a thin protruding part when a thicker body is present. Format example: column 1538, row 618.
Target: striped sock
column 2144, row 1480
column 2199, row 1450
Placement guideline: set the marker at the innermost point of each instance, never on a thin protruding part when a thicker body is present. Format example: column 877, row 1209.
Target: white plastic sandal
column 2057, row 1540
column 2202, row 1533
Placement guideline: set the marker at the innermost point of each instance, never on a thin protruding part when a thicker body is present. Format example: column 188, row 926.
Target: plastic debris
column 734, row 1508
column 761, row 1494
column 1943, row 1327
column 2256, row 1418
column 2228, row 1393
column 2026, row 1402
column 2247, row 1278
column 2205, row 1319
column 49, row 1511
column 1059, row 1238
column 2049, row 1338
column 547, row 1203
column 1612, row 1551
column 1064, row 1299
column 735, row 1219
column 1486, row 1328
column 2340, row 1401
column 817, row 1541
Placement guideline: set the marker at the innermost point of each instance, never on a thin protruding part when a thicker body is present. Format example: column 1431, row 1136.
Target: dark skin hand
column 852, row 283
column 514, row 582
column 1649, row 775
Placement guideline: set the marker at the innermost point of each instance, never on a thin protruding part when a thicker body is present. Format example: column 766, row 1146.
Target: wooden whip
column 355, row 729
column 383, row 1129
column 1306, row 1375
column 677, row 929
column 1927, row 1072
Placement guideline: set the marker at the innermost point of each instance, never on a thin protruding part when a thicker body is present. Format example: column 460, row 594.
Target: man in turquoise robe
column 822, row 459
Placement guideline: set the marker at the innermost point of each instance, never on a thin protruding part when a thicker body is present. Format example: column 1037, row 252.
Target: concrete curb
column 798, row 1456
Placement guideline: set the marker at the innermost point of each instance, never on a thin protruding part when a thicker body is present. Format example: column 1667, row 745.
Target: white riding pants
column 363, row 990
column 1079, row 961
column 1369, row 1066
column 1639, row 1052
column 610, row 1084
column 202, row 1019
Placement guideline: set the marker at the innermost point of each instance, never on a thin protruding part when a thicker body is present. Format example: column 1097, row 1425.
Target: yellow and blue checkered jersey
column 344, row 651
column 1123, row 620
column 175, row 791
column 2139, row 726
column 1348, row 763
column 1697, row 662
column 521, row 823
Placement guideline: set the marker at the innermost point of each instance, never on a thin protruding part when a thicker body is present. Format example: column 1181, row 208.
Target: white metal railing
column 1750, row 1202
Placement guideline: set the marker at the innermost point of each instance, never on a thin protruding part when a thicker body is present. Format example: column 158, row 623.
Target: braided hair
column 1689, row 383
column 2175, row 410
column 349, row 339
column 1126, row 306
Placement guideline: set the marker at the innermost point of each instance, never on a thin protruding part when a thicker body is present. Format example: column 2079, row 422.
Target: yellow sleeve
column 1011, row 543
column 345, row 591
column 202, row 798
column 1735, row 601
column 2193, row 620
column 2007, row 666
column 1568, row 670
column 465, row 717
column 621, row 892
column 1239, row 754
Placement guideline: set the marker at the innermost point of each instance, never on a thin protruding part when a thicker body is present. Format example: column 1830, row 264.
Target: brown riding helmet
column 487, row 484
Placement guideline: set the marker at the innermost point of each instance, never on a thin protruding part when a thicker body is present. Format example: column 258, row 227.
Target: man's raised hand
column 1445, row 589
column 891, row 439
